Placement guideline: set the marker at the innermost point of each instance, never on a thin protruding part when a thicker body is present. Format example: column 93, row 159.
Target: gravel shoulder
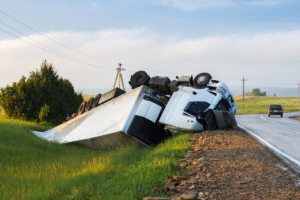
column 297, row 117
column 230, row 164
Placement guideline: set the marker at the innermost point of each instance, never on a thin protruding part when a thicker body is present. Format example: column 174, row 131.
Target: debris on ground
column 229, row 164
column 297, row 117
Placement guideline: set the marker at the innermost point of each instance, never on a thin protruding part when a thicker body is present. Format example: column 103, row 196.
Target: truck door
column 144, row 125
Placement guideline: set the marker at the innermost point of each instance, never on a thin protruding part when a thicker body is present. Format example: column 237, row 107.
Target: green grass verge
column 261, row 104
column 26, row 125
column 32, row 168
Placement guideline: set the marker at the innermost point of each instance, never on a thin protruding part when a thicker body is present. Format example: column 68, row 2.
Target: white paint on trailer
column 111, row 117
column 149, row 110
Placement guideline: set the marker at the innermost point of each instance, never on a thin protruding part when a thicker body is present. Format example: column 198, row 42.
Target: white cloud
column 203, row 4
column 196, row 4
column 225, row 57
column 94, row 5
column 264, row 3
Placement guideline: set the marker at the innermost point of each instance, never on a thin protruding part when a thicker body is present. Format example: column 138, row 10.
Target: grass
column 245, row 97
column 32, row 168
column 258, row 105
column 26, row 125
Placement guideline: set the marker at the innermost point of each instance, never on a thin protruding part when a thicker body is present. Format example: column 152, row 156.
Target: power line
column 70, row 58
column 54, row 40
column 67, row 46
column 66, row 57
column 36, row 41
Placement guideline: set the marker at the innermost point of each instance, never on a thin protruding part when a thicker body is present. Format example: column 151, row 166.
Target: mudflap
column 215, row 119
column 147, row 131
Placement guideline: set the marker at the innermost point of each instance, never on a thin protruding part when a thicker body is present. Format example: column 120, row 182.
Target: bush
column 44, row 113
column 44, row 96
column 257, row 92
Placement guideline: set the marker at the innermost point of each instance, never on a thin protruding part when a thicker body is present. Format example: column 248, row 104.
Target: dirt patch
column 297, row 117
column 229, row 164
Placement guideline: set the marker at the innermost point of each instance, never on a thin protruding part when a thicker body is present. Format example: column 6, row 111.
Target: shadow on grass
column 132, row 173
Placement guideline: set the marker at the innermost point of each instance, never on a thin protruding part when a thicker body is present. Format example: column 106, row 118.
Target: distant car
column 275, row 110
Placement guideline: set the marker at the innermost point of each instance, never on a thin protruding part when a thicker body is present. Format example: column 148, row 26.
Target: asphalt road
column 282, row 133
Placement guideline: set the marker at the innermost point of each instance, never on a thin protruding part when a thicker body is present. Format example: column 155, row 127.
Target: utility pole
column 119, row 77
column 298, row 96
column 243, row 90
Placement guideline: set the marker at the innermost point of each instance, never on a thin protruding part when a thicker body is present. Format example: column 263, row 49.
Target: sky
column 85, row 40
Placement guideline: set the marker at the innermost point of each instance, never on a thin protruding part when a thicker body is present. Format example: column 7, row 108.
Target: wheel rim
column 139, row 78
column 202, row 79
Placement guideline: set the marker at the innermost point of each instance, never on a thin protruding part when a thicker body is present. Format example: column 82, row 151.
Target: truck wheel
column 73, row 115
column 201, row 80
column 228, row 120
column 191, row 83
column 96, row 101
column 88, row 105
column 139, row 78
column 81, row 108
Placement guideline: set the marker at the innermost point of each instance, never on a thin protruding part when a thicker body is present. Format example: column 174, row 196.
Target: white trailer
column 131, row 116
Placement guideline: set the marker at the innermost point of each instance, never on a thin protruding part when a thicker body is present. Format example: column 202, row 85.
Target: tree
column 257, row 92
column 44, row 96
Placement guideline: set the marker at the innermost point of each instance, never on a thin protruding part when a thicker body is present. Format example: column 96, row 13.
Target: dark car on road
column 275, row 110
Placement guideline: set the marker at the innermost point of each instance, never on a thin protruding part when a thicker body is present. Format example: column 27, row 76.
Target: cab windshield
column 196, row 107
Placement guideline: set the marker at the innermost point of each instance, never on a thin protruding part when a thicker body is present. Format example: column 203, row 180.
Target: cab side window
column 196, row 107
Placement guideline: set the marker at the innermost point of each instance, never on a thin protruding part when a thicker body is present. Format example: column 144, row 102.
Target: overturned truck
column 155, row 109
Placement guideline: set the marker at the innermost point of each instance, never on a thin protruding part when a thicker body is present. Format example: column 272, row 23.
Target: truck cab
column 188, row 106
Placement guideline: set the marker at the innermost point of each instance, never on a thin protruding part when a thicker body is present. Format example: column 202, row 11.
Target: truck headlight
column 221, row 90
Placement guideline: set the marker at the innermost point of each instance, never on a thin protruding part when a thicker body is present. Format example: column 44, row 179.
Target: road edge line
column 288, row 160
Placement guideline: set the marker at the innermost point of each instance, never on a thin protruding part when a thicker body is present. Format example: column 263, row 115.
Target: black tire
column 201, row 80
column 139, row 78
column 191, row 82
column 96, row 101
column 88, row 105
column 228, row 120
column 73, row 115
column 268, row 115
column 81, row 108
column 211, row 120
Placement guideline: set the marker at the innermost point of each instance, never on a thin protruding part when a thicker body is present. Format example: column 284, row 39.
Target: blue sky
column 258, row 39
